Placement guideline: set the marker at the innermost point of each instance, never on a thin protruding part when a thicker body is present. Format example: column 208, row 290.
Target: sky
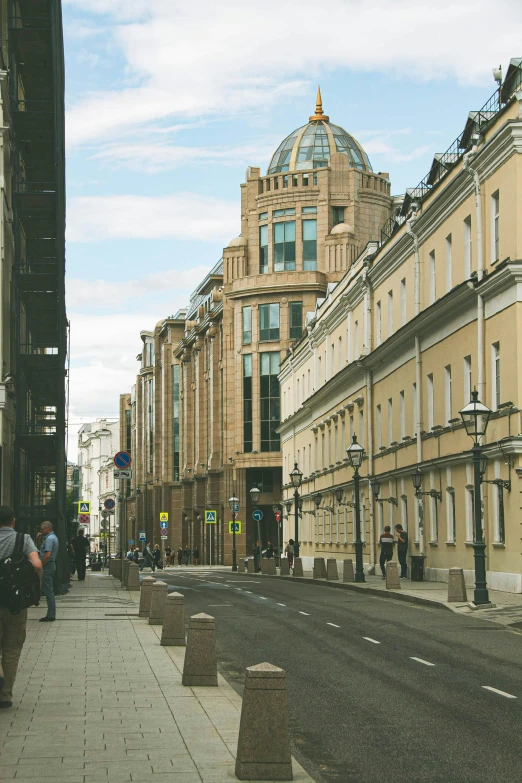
column 168, row 103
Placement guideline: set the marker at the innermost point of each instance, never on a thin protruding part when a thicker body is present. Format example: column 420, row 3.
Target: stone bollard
column 116, row 568
column 319, row 571
column 332, row 573
column 348, row 572
column 264, row 566
column 298, row 567
column 392, row 576
column 133, row 579
column 200, row 666
column 456, row 586
column 263, row 746
column 146, row 588
column 271, row 567
column 251, row 566
column 285, row 567
column 126, row 567
column 157, row 602
column 173, row 632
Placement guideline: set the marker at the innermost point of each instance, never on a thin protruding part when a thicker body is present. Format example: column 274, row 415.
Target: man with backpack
column 14, row 549
column 48, row 553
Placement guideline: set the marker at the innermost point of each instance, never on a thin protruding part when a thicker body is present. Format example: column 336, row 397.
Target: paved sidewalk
column 98, row 700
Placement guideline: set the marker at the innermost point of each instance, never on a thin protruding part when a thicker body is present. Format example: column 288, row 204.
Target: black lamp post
column 356, row 455
column 234, row 507
column 296, row 478
column 276, row 508
column 254, row 496
column 475, row 416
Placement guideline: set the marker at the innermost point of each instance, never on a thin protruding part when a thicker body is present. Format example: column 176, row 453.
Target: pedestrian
column 12, row 626
column 147, row 558
column 72, row 560
column 137, row 555
column 256, row 549
column 186, row 555
column 289, row 552
column 48, row 554
column 180, row 555
column 81, row 547
column 269, row 550
column 386, row 542
column 168, row 553
column 156, row 554
column 402, row 549
column 196, row 555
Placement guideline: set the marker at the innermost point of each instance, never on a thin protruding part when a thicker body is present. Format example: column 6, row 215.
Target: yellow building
column 428, row 310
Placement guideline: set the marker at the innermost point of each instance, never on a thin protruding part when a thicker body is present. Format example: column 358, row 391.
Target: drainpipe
column 369, row 428
column 418, row 428
column 481, row 358
column 416, row 264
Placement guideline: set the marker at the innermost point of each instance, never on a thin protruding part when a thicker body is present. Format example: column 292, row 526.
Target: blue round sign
column 257, row 515
column 122, row 459
column 109, row 504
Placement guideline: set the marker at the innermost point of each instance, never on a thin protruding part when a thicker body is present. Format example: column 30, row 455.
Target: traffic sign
column 131, row 542
column 164, row 517
column 122, row 459
column 85, row 519
column 123, row 474
column 236, row 524
column 109, row 504
column 278, row 516
column 163, row 537
column 105, row 514
column 257, row 515
column 164, row 527
column 210, row 517
column 84, row 507
column 143, row 535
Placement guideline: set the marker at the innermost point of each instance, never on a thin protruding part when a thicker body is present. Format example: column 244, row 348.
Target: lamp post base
column 480, row 595
column 359, row 571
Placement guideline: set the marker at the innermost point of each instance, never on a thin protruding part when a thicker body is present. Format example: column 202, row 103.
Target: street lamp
column 356, row 455
column 233, row 502
column 296, row 478
column 475, row 416
column 254, row 496
column 276, row 508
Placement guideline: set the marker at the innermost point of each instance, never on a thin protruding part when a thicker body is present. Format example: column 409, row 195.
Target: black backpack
column 19, row 582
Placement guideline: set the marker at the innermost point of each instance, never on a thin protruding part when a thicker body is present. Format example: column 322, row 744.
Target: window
column 309, row 244
column 434, row 513
column 309, row 210
column 270, row 402
column 499, row 528
column 340, row 353
column 282, row 212
column 449, row 263
column 415, row 410
column 295, row 180
column 468, row 256
column 305, row 180
column 285, row 181
column 403, row 301
column 495, row 366
column 378, row 426
column 390, row 313
column 315, row 178
column 296, row 319
column 263, row 216
column 247, row 402
column 432, row 281
column 356, row 340
column 361, row 438
column 284, row 246
column 175, row 420
column 467, row 379
column 495, row 227
column 378, row 323
column 451, row 517
column 337, row 215
column 430, row 401
column 128, row 431
column 151, row 425
column 402, row 414
column 268, row 322
column 263, row 250
column 390, row 421
column 247, row 325
column 448, row 392
column 404, row 511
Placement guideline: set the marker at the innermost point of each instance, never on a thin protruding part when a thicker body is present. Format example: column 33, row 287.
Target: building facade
column 98, row 442
column 427, row 312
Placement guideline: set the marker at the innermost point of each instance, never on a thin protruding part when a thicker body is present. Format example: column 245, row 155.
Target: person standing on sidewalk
column 156, row 555
column 168, row 552
column 402, row 550
column 289, row 552
column 80, row 546
column 196, row 555
column 12, row 626
column 186, row 555
column 48, row 553
column 386, row 541
column 147, row 558
column 180, row 555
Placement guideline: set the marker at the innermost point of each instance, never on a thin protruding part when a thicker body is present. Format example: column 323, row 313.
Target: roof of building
column 310, row 146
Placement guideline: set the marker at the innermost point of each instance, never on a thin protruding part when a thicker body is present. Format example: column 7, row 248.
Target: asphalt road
column 378, row 689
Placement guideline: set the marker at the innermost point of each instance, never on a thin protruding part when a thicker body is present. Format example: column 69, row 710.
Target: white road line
column 220, row 605
column 248, row 591
column 421, row 660
column 368, row 639
column 281, row 604
column 500, row 693
column 334, row 625
column 306, row 613
column 263, row 597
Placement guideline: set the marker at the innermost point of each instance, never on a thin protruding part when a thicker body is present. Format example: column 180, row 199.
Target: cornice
column 509, row 273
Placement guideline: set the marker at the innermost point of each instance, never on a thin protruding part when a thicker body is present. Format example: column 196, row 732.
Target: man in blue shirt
column 48, row 553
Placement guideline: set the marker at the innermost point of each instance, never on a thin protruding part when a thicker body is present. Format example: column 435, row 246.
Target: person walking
column 196, row 555
column 402, row 550
column 186, row 555
column 72, row 560
column 257, row 555
column 269, row 550
column 168, row 553
column 180, row 555
column 147, row 558
column 156, row 555
column 137, row 555
column 48, row 554
column 81, row 547
column 289, row 552
column 12, row 626
column 386, row 542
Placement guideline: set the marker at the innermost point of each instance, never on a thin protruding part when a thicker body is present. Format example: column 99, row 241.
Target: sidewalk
column 98, row 700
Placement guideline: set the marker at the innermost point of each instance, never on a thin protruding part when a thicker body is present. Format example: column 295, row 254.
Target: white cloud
column 179, row 216
column 206, row 59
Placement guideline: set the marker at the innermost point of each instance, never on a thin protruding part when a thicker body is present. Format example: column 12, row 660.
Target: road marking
column 248, row 591
column 421, row 660
column 220, row 604
column 263, row 597
column 500, row 693
column 334, row 625
column 281, row 604
column 369, row 639
column 306, row 613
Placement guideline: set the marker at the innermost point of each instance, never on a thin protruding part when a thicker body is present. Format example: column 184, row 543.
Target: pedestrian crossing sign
column 84, row 507
column 236, row 525
column 210, row 517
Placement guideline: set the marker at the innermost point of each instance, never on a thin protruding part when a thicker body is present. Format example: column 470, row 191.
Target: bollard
column 285, row 567
column 173, row 632
column 200, row 666
column 319, row 571
column 298, row 567
column 456, row 586
column 251, row 566
column 392, row 576
column 332, row 573
column 126, row 566
column 264, row 566
column 157, row 602
column 133, row 580
column 348, row 572
column 271, row 567
column 116, row 567
column 263, row 746
column 146, row 587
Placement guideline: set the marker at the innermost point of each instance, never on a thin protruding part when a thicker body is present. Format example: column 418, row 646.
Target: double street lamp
column 254, row 496
column 296, row 477
column 356, row 455
column 234, row 508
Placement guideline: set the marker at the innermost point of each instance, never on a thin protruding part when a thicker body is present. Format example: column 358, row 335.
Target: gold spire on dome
column 319, row 108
